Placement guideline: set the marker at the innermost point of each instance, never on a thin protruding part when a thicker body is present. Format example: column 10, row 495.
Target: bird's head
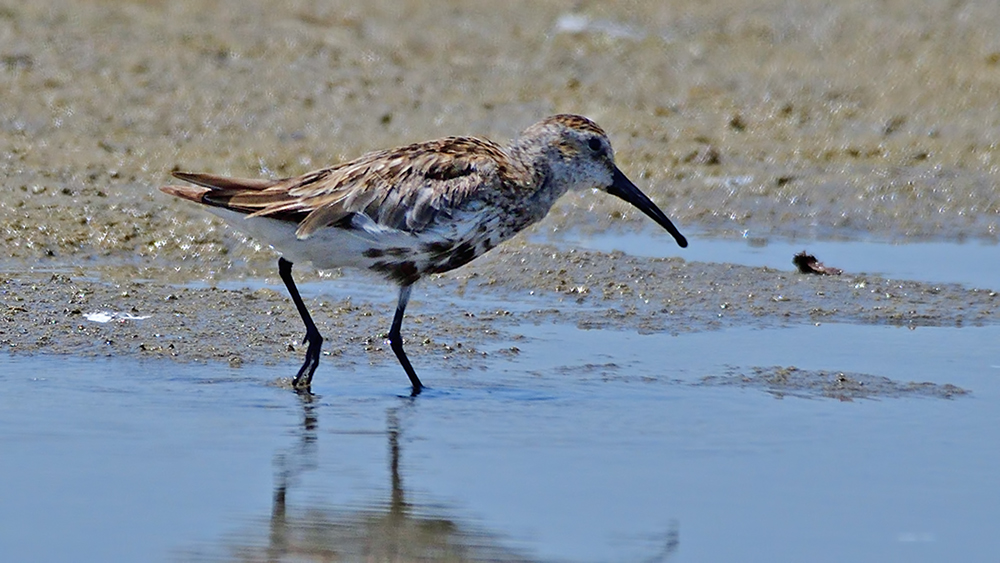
column 580, row 154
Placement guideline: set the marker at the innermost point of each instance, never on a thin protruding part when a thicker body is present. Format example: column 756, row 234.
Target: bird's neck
column 543, row 188
column 535, row 161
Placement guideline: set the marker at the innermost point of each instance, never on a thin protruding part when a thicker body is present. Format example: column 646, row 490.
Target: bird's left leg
column 303, row 379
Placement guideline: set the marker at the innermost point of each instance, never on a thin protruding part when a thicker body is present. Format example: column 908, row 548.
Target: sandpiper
column 416, row 210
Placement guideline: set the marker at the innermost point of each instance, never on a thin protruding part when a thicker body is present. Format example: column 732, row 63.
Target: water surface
column 971, row 263
column 589, row 446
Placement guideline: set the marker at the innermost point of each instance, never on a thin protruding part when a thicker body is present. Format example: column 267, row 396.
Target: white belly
column 326, row 249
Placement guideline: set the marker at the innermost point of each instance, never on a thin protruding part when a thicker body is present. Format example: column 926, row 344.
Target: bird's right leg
column 396, row 340
column 303, row 380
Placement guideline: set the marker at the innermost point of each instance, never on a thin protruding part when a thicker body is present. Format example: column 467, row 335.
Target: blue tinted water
column 973, row 264
column 587, row 446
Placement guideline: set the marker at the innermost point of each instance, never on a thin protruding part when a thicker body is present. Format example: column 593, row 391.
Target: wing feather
column 222, row 182
column 406, row 189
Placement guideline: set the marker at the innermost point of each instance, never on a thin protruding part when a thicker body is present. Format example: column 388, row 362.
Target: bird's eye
column 595, row 144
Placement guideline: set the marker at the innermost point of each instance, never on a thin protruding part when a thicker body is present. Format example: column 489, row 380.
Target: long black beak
column 625, row 189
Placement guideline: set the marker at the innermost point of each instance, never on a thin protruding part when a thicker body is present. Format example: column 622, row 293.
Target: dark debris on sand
column 808, row 264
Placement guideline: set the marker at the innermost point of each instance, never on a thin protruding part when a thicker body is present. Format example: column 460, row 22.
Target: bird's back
column 421, row 208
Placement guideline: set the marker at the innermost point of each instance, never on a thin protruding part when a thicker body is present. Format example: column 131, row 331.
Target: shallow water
column 973, row 264
column 588, row 446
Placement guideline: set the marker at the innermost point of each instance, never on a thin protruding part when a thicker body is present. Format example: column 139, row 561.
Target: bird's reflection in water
column 392, row 531
column 396, row 531
column 289, row 466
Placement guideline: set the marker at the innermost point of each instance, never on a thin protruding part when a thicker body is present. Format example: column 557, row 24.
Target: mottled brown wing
column 405, row 188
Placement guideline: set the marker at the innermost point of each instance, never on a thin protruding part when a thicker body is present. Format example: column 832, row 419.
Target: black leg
column 303, row 380
column 396, row 341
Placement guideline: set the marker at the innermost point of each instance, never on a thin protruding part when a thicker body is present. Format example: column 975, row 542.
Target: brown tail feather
column 193, row 193
column 237, row 194
column 224, row 183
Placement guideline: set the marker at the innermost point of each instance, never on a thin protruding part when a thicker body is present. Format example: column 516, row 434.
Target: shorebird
column 420, row 209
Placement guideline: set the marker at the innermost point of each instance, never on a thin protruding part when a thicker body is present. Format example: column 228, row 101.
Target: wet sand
column 793, row 118
column 46, row 312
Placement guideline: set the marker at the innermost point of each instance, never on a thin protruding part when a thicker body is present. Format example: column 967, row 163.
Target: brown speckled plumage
column 419, row 209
